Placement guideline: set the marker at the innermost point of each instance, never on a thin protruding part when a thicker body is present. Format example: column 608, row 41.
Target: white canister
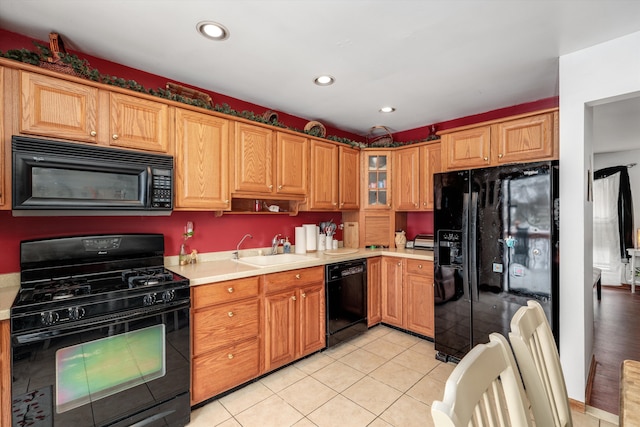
column 335, row 244
column 329, row 243
column 322, row 242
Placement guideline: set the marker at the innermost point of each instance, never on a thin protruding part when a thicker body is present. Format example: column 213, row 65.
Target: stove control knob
column 149, row 299
column 168, row 296
column 48, row 318
column 76, row 313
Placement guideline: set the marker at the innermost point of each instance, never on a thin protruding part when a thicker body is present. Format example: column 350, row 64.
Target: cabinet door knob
column 115, row 136
column 303, row 295
column 415, row 205
column 230, row 356
column 341, row 204
column 485, row 159
column 270, row 187
column 334, row 204
column 420, row 266
column 424, row 203
column 297, row 276
column 226, row 202
column 230, row 290
column 93, row 133
column 294, row 298
column 279, row 187
column 230, row 314
column 399, row 263
column 500, row 155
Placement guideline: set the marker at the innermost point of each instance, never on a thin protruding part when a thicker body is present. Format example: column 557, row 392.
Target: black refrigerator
column 496, row 247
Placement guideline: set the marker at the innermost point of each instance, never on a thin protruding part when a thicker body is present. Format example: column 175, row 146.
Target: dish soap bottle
column 286, row 247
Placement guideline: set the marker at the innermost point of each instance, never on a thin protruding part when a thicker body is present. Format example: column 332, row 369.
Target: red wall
column 210, row 233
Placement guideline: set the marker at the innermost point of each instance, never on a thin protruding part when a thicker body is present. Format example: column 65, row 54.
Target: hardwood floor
column 616, row 338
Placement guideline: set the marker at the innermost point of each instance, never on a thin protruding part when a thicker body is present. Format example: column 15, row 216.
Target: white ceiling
column 434, row 60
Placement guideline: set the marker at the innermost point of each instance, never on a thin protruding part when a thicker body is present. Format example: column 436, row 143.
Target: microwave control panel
column 162, row 189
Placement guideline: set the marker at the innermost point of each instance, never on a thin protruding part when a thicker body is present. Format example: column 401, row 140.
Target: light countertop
column 218, row 267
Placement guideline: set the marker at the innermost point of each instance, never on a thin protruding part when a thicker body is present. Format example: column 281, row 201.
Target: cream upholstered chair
column 539, row 363
column 485, row 389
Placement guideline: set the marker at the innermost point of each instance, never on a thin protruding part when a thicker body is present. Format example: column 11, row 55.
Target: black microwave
column 62, row 178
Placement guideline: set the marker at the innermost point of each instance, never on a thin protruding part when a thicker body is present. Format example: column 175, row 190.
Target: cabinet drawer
column 224, row 324
column 278, row 281
column 223, row 292
column 223, row 369
column 419, row 267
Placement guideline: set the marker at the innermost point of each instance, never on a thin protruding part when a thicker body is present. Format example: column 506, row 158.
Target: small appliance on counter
column 423, row 241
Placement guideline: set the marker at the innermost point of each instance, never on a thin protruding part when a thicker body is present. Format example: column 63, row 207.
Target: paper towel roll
column 310, row 231
column 301, row 241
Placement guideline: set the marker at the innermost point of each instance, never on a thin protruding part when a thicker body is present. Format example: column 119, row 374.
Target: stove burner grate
column 146, row 277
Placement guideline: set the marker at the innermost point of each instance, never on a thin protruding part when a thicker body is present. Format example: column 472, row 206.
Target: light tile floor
column 381, row 378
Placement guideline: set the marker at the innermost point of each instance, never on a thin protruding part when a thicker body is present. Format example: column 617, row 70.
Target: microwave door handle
column 149, row 188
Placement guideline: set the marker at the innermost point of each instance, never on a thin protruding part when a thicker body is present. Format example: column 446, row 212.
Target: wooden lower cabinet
column 418, row 294
column 392, row 269
column 374, row 282
column 407, row 294
column 5, row 374
column 294, row 313
column 225, row 336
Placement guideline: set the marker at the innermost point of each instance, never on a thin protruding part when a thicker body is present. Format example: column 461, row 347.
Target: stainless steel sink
column 271, row 260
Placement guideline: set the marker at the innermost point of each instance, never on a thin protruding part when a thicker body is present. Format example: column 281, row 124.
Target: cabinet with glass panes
column 377, row 168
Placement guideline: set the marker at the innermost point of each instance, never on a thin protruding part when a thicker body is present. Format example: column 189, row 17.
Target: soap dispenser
column 286, row 246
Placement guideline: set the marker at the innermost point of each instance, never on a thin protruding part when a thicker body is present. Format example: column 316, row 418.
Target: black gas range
column 109, row 303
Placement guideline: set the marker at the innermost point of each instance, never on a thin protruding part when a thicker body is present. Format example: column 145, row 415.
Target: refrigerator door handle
column 472, row 272
column 465, row 246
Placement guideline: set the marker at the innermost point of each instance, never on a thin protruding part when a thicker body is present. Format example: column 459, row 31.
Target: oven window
column 54, row 183
column 97, row 369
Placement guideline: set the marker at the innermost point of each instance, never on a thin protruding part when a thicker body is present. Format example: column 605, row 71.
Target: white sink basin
column 271, row 260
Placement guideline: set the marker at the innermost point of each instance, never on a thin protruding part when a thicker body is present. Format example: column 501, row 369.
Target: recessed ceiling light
column 324, row 80
column 387, row 109
column 213, row 30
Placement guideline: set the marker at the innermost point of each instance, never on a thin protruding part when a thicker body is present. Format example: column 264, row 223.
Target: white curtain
column 606, row 234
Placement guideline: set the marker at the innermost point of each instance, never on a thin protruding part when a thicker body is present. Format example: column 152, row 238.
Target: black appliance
column 99, row 334
column 56, row 178
column 346, row 299
column 496, row 247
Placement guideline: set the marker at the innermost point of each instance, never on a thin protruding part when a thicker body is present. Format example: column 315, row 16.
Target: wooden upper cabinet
column 253, row 152
column 376, row 166
column 406, row 179
column 525, row 139
column 58, row 108
column 323, row 194
column 139, row 123
column 430, row 161
column 469, row 148
column 201, row 161
column 349, row 178
column 292, row 154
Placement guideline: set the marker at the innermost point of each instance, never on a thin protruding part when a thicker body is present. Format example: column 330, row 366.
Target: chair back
column 539, row 363
column 485, row 389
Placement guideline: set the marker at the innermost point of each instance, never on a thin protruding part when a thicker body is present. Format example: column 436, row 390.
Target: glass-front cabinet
column 377, row 169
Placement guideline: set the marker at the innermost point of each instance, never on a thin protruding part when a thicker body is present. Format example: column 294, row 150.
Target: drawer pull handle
column 399, row 263
column 294, row 298
column 230, row 290
column 419, row 265
column 230, row 314
column 230, row 356
column 297, row 276
column 304, row 295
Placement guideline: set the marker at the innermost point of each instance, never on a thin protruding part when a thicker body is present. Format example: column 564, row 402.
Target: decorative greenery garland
column 81, row 68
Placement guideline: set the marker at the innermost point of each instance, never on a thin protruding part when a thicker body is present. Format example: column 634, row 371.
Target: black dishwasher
column 346, row 292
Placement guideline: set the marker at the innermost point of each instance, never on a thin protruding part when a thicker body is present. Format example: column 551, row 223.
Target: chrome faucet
column 277, row 240
column 235, row 254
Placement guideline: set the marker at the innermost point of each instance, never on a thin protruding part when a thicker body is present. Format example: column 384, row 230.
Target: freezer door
column 512, row 246
column 451, row 285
